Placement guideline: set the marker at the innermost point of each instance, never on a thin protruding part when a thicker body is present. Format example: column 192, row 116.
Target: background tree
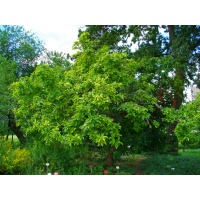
column 54, row 58
column 180, row 44
column 187, row 118
column 114, row 36
column 20, row 46
column 8, row 72
column 19, row 52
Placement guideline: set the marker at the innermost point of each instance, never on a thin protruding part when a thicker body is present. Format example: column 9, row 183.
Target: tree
column 114, row 36
column 187, row 118
column 20, row 46
column 8, row 71
column 54, row 58
column 92, row 100
column 19, row 53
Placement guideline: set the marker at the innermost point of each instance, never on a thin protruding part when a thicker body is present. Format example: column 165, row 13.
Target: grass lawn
column 194, row 153
column 186, row 163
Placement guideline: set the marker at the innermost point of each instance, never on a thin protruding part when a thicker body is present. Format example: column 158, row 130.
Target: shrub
column 21, row 161
column 58, row 157
column 13, row 161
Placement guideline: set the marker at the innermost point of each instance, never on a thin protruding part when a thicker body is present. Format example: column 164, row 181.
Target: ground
column 132, row 161
column 137, row 165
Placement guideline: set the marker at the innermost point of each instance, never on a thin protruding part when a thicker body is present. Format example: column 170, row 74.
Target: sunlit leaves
column 188, row 118
column 88, row 100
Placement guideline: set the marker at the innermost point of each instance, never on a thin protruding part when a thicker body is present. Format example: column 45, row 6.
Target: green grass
column 186, row 163
column 193, row 153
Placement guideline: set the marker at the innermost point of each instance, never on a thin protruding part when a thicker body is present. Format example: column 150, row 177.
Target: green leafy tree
column 178, row 44
column 94, row 99
column 187, row 117
column 19, row 53
column 54, row 58
column 8, row 72
column 20, row 46
column 114, row 36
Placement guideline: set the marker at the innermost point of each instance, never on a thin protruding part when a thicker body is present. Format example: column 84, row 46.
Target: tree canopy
column 19, row 53
column 94, row 98
column 20, row 46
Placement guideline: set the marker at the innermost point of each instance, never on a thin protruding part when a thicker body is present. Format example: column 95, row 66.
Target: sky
column 57, row 21
column 56, row 38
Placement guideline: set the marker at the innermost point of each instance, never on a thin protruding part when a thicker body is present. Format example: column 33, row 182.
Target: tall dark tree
column 177, row 50
column 114, row 36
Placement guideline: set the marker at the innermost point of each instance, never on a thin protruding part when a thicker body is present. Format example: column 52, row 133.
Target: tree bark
column 16, row 129
column 179, row 72
column 178, row 91
column 171, row 34
column 109, row 159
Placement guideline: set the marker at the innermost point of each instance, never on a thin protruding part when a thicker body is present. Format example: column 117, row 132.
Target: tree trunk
column 171, row 34
column 178, row 91
column 16, row 129
column 109, row 159
column 179, row 72
column 7, row 137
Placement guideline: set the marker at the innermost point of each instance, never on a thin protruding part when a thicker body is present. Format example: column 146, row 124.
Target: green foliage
column 8, row 72
column 81, row 169
column 154, row 140
column 13, row 161
column 108, row 35
column 171, row 165
column 106, row 97
column 20, row 46
column 59, row 158
column 187, row 118
column 117, row 155
column 19, row 53
column 54, row 58
column 65, row 161
column 34, row 91
column 55, row 104
column 123, row 170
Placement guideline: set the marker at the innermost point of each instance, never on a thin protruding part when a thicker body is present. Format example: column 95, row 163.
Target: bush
column 59, row 158
column 13, row 161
